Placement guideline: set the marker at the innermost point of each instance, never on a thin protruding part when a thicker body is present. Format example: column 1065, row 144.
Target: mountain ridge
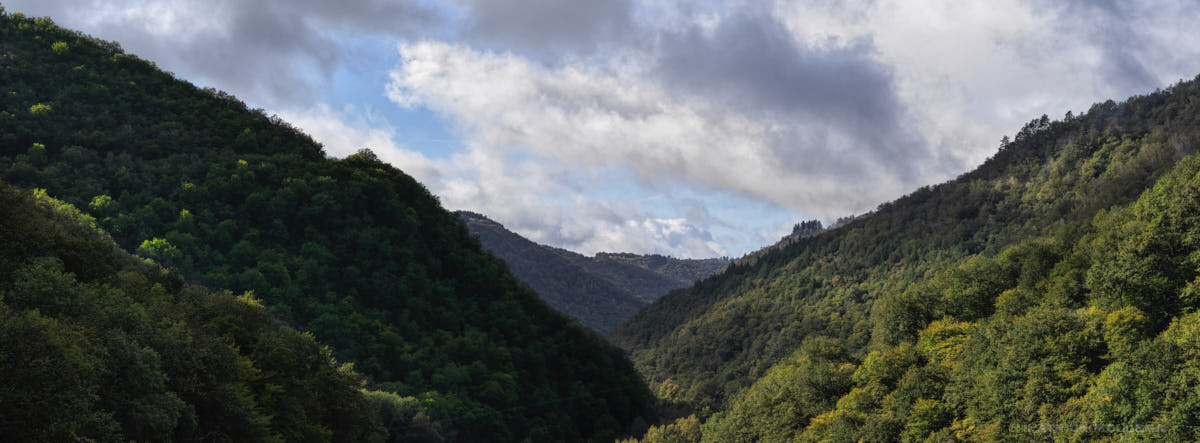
column 599, row 291
column 352, row 250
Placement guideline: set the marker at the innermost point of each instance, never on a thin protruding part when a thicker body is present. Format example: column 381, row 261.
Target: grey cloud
column 1110, row 25
column 271, row 52
column 697, row 213
column 552, row 27
column 389, row 17
column 752, row 63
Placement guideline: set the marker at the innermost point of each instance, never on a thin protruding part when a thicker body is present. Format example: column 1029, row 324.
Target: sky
column 685, row 128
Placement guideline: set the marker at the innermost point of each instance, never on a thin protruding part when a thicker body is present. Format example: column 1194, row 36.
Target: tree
column 39, row 109
column 103, row 206
column 159, row 249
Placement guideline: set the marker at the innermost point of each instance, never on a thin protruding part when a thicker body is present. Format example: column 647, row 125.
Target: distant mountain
column 600, row 291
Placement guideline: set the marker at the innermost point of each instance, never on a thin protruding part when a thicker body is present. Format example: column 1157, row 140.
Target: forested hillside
column 1091, row 332
column 600, row 291
column 665, row 274
column 351, row 250
column 562, row 282
column 986, row 307
column 96, row 344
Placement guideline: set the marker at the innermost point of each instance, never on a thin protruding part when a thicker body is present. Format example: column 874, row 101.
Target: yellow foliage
column 682, row 430
column 942, row 341
column 39, row 109
column 668, row 390
column 249, row 298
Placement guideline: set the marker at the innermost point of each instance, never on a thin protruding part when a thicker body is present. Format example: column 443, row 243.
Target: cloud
column 1113, row 30
column 551, row 26
column 1137, row 42
column 345, row 132
column 273, row 53
column 535, row 197
column 970, row 72
column 751, row 63
column 827, row 108
column 621, row 115
column 529, row 195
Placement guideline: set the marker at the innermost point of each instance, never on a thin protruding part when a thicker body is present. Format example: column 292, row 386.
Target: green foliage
column 404, row 418
column 103, row 206
column 98, row 345
column 39, row 109
column 1124, row 330
column 353, row 250
column 1088, row 353
column 59, row 47
column 682, row 430
column 787, row 397
column 37, row 154
column 160, row 249
column 50, row 381
column 926, row 417
column 941, row 343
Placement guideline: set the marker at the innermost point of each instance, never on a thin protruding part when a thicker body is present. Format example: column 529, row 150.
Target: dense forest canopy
column 352, row 250
column 1015, row 302
column 98, row 344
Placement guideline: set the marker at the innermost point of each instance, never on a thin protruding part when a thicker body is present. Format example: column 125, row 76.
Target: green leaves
column 42, row 285
column 104, row 206
column 51, row 382
column 39, row 109
column 130, row 355
column 159, row 249
column 787, row 397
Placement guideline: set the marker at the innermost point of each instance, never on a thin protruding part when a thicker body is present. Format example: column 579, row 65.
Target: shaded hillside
column 352, row 250
column 665, row 273
column 98, row 344
column 599, row 291
column 703, row 345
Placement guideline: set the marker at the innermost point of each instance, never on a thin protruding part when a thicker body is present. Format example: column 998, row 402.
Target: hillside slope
column 649, row 277
column 703, row 345
column 1089, row 333
column 98, row 344
column 600, row 291
column 562, row 282
column 353, row 250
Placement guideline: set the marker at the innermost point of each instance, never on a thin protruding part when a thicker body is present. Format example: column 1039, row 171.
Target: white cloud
column 591, row 117
column 974, row 71
column 530, row 196
column 861, row 102
column 966, row 73
column 345, row 132
column 534, row 197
